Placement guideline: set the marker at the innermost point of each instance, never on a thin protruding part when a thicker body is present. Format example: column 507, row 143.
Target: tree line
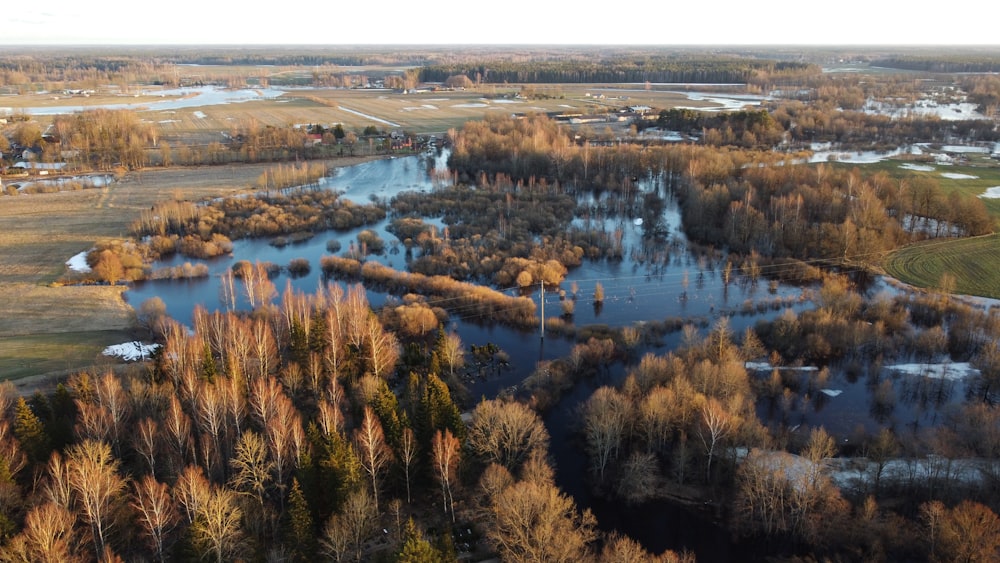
column 617, row 70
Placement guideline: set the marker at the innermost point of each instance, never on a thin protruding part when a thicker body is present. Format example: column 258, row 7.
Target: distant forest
column 721, row 70
column 946, row 63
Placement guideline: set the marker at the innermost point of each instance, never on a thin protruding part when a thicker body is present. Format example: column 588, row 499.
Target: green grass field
column 31, row 355
column 974, row 262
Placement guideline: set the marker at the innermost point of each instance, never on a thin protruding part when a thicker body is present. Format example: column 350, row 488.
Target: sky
column 499, row 22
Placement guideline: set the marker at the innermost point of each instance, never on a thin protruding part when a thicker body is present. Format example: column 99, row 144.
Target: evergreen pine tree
column 30, row 432
column 414, row 548
column 301, row 528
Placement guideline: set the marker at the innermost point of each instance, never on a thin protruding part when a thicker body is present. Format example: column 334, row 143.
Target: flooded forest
column 668, row 334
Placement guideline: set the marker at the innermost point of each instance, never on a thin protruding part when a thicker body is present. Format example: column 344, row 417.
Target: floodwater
column 189, row 98
column 653, row 282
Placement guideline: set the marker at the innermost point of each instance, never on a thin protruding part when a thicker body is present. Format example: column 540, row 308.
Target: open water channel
column 676, row 284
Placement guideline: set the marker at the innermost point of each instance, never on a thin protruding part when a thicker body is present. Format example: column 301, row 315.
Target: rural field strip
column 371, row 117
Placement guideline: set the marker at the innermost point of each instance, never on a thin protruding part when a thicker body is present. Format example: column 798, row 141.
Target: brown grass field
column 50, row 329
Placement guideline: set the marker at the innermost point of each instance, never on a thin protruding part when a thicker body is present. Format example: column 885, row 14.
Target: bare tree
column 717, row 423
column 506, row 432
column 445, row 448
column 58, row 487
column 48, row 534
column 192, row 490
column 383, row 347
column 329, row 417
column 607, row 415
column 216, row 527
column 372, row 449
column 638, row 480
column 157, row 512
column 210, row 416
column 284, row 436
column 264, row 347
column 407, row 455
column 178, row 434
column 257, row 285
column 348, row 530
column 452, row 353
column 535, row 522
column 623, row 549
column 146, row 440
column 251, row 467
column 656, row 418
column 113, row 397
column 94, row 476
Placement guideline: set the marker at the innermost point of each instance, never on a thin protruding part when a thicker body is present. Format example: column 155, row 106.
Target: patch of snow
column 766, row 366
column 199, row 114
column 565, row 106
column 964, row 149
column 991, row 193
column 831, row 392
column 957, row 176
column 470, row 105
column 371, row 117
column 951, row 372
column 78, row 263
column 917, row 167
column 131, row 351
column 502, row 101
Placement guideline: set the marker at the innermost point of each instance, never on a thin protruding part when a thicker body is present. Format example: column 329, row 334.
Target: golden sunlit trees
column 373, row 452
column 534, row 522
column 506, row 432
column 156, row 513
column 93, row 474
column 968, row 532
column 717, row 422
column 607, row 416
column 216, row 529
column 445, row 450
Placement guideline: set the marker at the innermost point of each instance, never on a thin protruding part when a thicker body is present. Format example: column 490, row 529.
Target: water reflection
column 652, row 282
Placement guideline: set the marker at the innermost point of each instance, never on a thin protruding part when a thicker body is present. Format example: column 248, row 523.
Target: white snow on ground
column 469, row 105
column 503, row 101
column 831, row 392
column 859, row 473
column 366, row 116
column 956, row 176
column 766, row 366
column 964, row 149
column 991, row 193
column 951, row 372
column 131, row 351
column 917, row 167
column 199, row 114
column 78, row 263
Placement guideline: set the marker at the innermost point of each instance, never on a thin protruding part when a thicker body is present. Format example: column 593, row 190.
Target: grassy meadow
column 974, row 262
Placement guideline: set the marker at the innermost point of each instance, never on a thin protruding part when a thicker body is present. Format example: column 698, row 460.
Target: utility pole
column 541, row 298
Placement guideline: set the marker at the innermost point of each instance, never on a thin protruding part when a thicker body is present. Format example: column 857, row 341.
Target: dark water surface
column 674, row 283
